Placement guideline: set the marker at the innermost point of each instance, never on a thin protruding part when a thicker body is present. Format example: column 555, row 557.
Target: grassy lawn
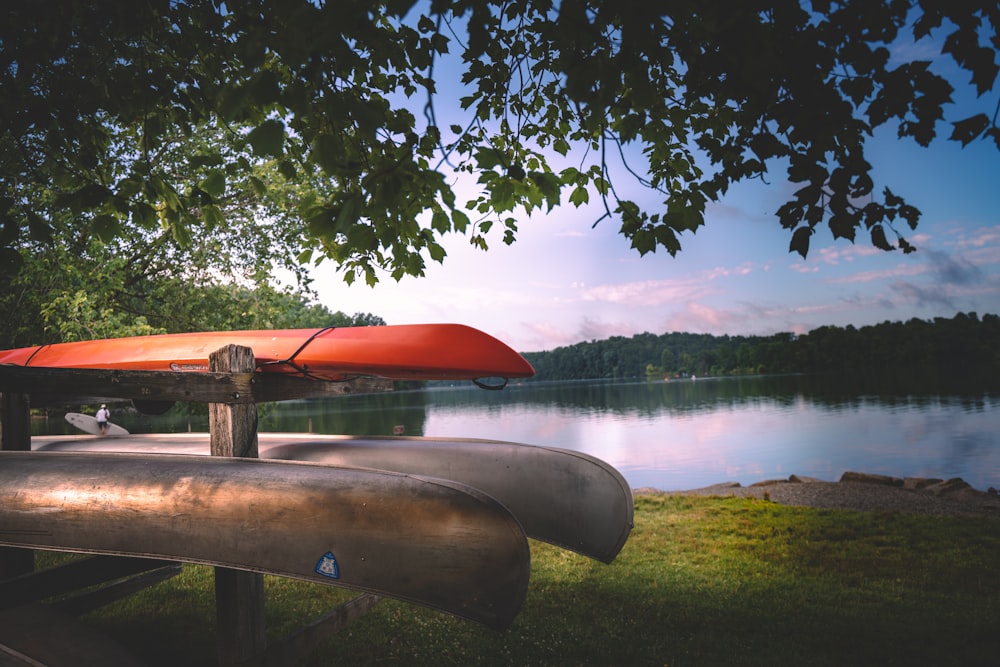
column 701, row 581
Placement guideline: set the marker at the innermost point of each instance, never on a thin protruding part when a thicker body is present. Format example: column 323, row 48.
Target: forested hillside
column 965, row 345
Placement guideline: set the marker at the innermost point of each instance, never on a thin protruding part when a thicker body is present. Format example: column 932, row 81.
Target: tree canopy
column 262, row 133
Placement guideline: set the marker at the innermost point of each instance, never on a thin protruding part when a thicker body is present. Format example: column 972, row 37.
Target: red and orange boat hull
column 401, row 352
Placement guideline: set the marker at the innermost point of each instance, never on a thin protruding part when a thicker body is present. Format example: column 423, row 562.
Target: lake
column 681, row 434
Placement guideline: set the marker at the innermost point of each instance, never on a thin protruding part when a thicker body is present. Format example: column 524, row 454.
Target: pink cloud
column 544, row 336
column 870, row 276
column 649, row 293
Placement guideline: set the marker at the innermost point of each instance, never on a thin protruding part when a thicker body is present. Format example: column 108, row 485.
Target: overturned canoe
column 402, row 352
column 428, row 541
column 562, row 497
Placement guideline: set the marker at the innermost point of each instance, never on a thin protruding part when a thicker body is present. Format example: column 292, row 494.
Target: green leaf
column 488, row 158
column 440, row 222
column 666, row 237
column 800, row 241
column 879, row 240
column 843, row 226
column 502, row 195
column 349, row 214
column 550, row 186
column 569, row 175
column 516, row 172
column 287, row 169
column 213, row 217
column 436, row 252
column 39, row 229
column 265, row 89
column 86, row 198
column 910, row 214
column 232, row 102
column 258, row 185
column 970, row 129
column 683, row 218
column 322, row 223
column 644, row 241
column 10, row 261
column 579, row 196
column 106, row 227
column 144, row 215
column 214, row 184
column 459, row 220
column 327, row 150
column 268, row 138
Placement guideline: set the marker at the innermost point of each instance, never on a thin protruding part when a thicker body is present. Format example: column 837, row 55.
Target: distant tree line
column 965, row 345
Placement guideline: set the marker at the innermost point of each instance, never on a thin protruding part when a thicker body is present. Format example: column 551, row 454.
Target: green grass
column 701, row 581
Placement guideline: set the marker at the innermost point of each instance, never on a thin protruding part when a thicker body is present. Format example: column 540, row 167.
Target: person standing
column 103, row 416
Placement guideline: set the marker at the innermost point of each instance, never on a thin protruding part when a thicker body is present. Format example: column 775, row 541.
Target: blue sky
column 564, row 282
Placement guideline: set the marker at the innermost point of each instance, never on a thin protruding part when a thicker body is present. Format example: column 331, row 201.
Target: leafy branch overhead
column 343, row 130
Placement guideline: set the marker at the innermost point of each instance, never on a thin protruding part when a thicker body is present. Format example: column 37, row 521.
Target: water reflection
column 683, row 434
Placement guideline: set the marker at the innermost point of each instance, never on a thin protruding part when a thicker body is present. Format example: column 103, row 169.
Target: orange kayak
column 401, row 352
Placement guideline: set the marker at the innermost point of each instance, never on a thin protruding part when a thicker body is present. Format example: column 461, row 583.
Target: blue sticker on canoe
column 327, row 566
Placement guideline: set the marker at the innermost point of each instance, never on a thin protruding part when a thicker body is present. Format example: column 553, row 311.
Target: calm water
column 681, row 434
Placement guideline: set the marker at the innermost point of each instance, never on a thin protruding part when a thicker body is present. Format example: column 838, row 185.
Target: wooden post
column 15, row 435
column 239, row 596
column 15, row 422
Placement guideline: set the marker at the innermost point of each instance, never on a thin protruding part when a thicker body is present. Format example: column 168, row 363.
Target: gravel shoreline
column 861, row 491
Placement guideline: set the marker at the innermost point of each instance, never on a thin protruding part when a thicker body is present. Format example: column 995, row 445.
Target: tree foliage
column 100, row 290
column 342, row 130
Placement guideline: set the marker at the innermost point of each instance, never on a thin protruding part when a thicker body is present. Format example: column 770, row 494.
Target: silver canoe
column 566, row 498
column 428, row 541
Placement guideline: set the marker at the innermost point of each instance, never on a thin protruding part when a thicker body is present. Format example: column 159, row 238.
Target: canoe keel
column 429, row 541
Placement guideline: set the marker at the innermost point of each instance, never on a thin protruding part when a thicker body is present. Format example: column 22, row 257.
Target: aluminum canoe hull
column 401, row 352
column 562, row 497
column 427, row 541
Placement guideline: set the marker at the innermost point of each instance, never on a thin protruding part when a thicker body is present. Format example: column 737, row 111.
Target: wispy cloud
column 649, row 293
column 751, row 318
column 700, row 318
column 981, row 237
column 591, row 329
column 882, row 274
column 836, row 254
column 536, row 335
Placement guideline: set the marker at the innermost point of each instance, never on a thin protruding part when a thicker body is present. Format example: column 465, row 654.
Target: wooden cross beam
column 245, row 387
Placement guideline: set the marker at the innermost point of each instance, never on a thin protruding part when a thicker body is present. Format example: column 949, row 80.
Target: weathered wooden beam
column 205, row 387
column 239, row 596
column 87, row 601
column 72, row 576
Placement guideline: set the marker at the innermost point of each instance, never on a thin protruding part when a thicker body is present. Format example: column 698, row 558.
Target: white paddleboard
column 88, row 424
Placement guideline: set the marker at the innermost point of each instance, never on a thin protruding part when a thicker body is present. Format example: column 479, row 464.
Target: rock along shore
column 866, row 492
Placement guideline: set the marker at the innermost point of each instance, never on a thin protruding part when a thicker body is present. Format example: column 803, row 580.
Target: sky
column 565, row 281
